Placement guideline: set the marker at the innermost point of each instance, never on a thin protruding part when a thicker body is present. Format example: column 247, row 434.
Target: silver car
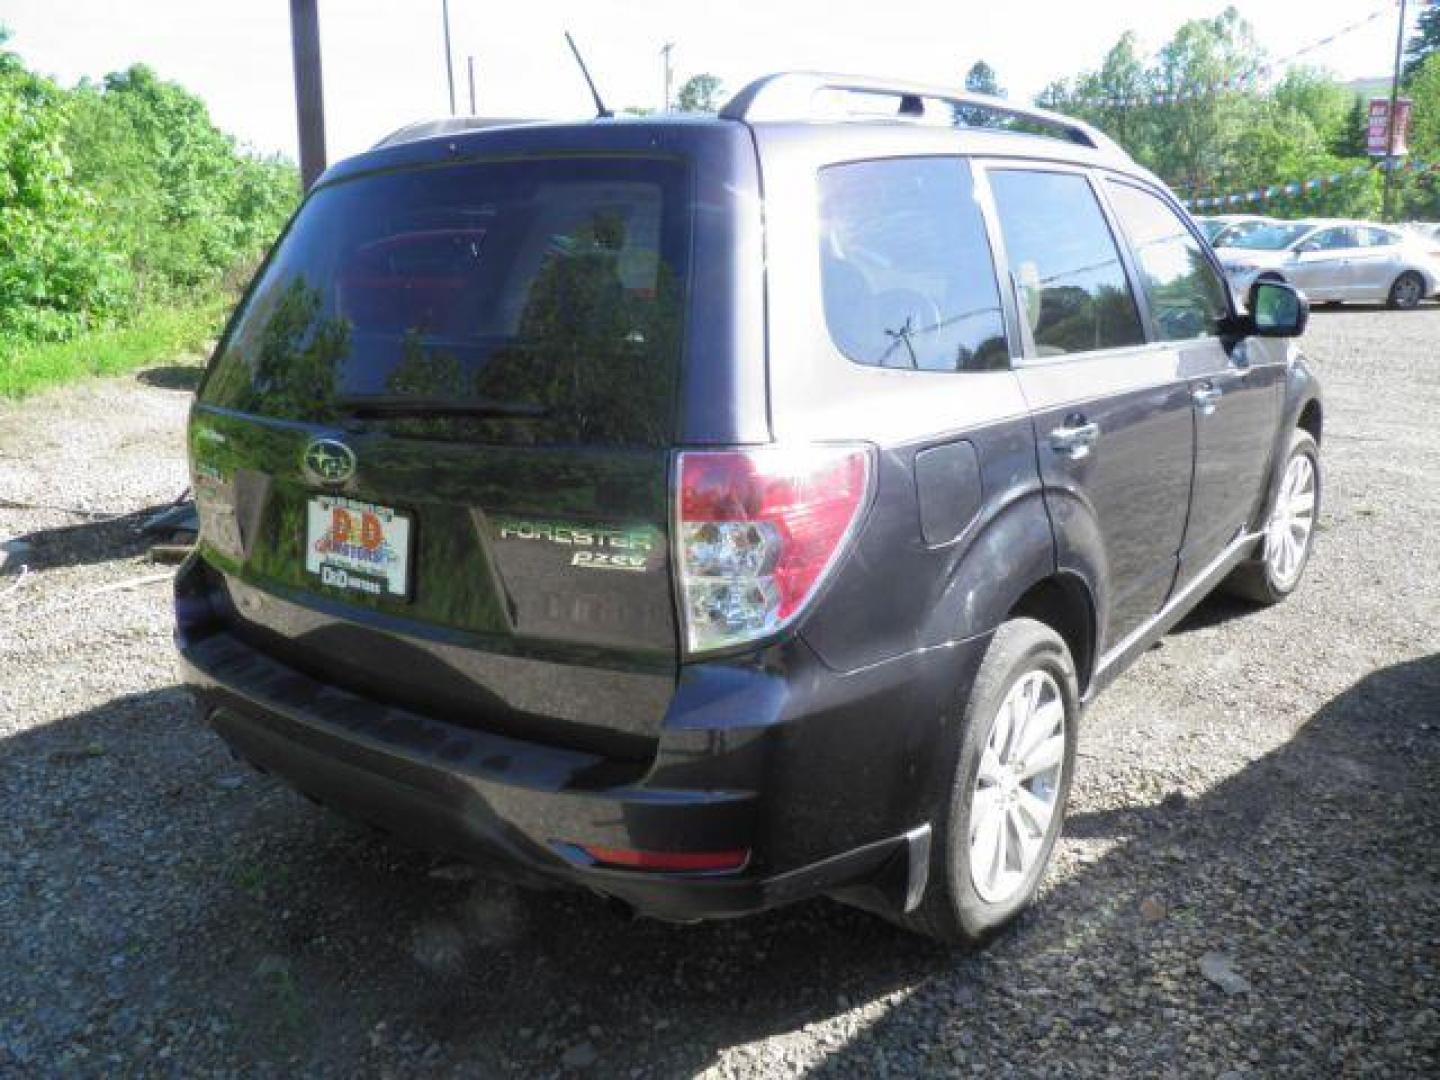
column 1337, row 261
column 1224, row 229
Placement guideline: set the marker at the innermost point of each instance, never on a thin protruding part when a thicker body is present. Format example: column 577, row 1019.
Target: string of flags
column 1245, row 81
column 1302, row 187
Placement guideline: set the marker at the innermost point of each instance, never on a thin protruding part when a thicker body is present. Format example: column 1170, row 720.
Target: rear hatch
column 432, row 454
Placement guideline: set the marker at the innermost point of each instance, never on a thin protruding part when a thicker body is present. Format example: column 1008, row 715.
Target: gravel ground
column 1248, row 883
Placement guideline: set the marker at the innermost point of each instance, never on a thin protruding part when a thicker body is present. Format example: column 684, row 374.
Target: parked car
column 570, row 499
column 1223, row 229
column 1338, row 261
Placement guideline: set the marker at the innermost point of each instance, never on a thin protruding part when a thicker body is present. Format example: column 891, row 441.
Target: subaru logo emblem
column 329, row 461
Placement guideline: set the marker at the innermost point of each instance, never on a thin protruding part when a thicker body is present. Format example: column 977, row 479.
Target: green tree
column 1350, row 142
column 184, row 202
column 1316, row 95
column 1112, row 97
column 1190, row 117
column 701, row 94
column 1424, row 44
column 1193, row 133
column 981, row 79
column 1424, row 91
column 117, row 195
column 55, row 274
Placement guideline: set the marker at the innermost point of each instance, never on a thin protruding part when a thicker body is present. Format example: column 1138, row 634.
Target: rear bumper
column 774, row 764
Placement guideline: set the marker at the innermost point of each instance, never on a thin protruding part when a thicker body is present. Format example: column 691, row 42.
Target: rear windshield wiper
column 415, row 405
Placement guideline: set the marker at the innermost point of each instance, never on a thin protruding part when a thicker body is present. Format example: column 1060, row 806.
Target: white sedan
column 1337, row 261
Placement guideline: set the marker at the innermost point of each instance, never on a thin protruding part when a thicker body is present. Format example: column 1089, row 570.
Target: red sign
column 1377, row 134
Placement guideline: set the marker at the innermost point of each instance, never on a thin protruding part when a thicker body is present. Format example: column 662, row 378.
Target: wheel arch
column 1000, row 557
column 1427, row 285
column 1064, row 603
column 1312, row 418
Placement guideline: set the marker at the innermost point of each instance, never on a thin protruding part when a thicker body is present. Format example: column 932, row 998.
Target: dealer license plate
column 358, row 546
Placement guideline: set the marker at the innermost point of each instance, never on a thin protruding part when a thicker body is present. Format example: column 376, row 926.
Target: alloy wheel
column 1017, row 786
column 1287, row 537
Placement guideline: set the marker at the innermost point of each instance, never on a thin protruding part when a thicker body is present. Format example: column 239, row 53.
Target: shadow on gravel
column 172, row 376
column 1214, row 610
column 1368, row 309
column 1313, row 871
column 272, row 934
column 89, row 542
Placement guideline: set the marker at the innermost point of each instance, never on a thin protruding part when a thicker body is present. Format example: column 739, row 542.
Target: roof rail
column 446, row 125
column 789, row 95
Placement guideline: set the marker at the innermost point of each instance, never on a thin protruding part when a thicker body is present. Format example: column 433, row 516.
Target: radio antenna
column 600, row 109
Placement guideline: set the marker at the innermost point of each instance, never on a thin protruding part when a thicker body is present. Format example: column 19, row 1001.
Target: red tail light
column 757, row 531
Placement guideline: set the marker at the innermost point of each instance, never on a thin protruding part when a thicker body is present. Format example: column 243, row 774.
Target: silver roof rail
column 790, row 95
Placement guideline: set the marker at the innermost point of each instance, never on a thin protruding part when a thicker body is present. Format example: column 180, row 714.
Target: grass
column 158, row 334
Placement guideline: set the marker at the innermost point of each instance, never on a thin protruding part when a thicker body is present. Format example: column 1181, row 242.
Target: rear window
column 908, row 278
column 519, row 301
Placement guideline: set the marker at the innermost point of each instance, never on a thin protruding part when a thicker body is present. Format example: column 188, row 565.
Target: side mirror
column 1276, row 310
column 1307, row 246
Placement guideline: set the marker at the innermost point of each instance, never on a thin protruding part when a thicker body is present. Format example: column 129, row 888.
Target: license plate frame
column 368, row 552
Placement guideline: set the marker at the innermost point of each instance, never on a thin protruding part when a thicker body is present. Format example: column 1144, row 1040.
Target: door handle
column 1205, row 396
column 1075, row 438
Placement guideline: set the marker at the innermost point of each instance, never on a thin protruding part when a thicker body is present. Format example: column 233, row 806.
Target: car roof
column 789, row 100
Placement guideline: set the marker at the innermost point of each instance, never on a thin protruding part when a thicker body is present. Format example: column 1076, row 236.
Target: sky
column 384, row 63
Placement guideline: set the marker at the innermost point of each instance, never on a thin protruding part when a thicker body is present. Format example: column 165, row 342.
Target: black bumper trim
column 478, row 796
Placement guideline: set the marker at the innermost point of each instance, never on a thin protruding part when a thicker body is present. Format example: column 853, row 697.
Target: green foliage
column 1420, row 193
column 117, row 198
column 1351, row 140
column 154, row 334
column 1213, row 137
column 1424, row 90
column 981, row 79
column 1425, row 43
column 701, row 94
column 1312, row 94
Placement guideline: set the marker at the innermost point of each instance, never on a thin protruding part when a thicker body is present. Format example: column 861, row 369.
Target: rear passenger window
column 1331, row 240
column 906, row 269
column 1186, row 296
column 1072, row 285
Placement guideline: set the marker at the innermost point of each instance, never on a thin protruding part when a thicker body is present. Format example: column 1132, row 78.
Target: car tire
column 1407, row 291
column 1270, row 576
column 1025, row 661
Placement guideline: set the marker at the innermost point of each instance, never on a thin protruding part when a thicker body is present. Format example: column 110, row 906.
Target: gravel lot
column 1248, row 883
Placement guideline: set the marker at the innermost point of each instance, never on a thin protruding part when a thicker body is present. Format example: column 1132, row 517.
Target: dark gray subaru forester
column 716, row 512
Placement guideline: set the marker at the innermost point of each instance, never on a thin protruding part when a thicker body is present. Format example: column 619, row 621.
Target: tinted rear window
column 907, row 273
column 543, row 296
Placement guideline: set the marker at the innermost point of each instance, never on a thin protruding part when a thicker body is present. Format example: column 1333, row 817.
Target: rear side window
column 1379, row 237
column 908, row 278
column 1186, row 296
column 539, row 300
column 1332, row 240
column 1067, row 269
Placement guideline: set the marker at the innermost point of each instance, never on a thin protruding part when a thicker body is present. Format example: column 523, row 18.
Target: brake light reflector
column 674, row 861
column 756, row 532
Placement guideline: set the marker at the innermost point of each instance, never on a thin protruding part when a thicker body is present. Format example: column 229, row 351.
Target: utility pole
column 309, row 90
column 449, row 67
column 470, row 63
column 665, row 52
column 1389, row 203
